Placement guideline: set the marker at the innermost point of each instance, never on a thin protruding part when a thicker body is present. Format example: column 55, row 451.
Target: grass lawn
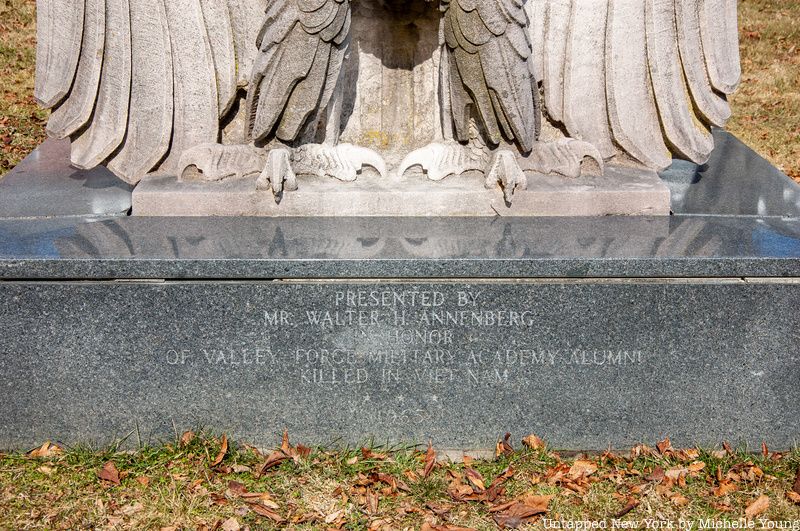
column 202, row 482
column 766, row 108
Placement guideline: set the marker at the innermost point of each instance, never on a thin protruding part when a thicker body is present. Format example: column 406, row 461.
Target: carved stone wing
column 133, row 83
column 301, row 48
column 647, row 77
column 488, row 52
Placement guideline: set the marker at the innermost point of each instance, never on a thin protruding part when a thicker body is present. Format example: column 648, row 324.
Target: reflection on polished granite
column 737, row 216
column 685, row 246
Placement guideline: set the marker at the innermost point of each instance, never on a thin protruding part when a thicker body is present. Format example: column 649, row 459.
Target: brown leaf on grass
column 657, row 475
column 394, row 483
column 186, row 438
column 143, row 481
column 796, row 486
column 697, row 466
column 758, row 506
column 48, row 449
column 475, row 477
column 724, row 488
column 534, row 442
column 504, row 446
column 430, row 460
column 727, row 447
column 231, row 524
column 274, row 459
column 664, row 447
column 262, row 510
column 368, row 453
column 371, row 502
column 131, row 509
column 223, row 450
column 237, row 488
column 109, row 473
column 521, row 510
column 582, row 469
column 631, row 504
column 793, row 497
column 764, row 449
column 676, row 473
column 641, row 450
column 439, row 509
column 679, row 500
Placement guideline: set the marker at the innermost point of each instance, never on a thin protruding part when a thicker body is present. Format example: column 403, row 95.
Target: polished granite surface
column 737, row 216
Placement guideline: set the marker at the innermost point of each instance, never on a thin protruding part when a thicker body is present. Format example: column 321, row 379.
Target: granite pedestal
column 590, row 332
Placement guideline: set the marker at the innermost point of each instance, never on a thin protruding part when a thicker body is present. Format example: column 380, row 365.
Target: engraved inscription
column 387, row 337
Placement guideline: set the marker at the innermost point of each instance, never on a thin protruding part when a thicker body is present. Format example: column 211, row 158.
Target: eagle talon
column 440, row 160
column 343, row 162
column 562, row 157
column 278, row 174
column 218, row 162
column 505, row 170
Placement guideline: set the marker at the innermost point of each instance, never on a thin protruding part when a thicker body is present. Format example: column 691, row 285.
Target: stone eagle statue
column 331, row 87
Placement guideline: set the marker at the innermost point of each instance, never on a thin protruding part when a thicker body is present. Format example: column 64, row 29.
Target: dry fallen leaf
column 760, row 505
column 664, row 446
column 109, row 473
column 223, row 449
column 131, row 509
column 430, row 460
column 474, row 477
column 231, row 524
column 727, row 447
column 266, row 512
column 48, row 449
column 657, row 475
column 533, row 442
column 793, row 497
column 679, row 500
column 371, row 502
column 186, row 438
column 143, row 480
column 631, row 504
column 504, row 446
column 697, row 466
column 796, row 487
column 725, row 487
column 46, row 470
column 764, row 449
column 582, row 469
column 521, row 510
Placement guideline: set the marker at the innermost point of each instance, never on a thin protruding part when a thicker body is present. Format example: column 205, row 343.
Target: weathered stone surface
column 621, row 191
column 196, row 107
column 73, row 114
column 59, row 30
column 149, row 130
column 586, row 365
column 92, row 145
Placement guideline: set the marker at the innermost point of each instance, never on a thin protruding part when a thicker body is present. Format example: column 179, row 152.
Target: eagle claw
column 343, row 161
column 563, row 157
column 443, row 159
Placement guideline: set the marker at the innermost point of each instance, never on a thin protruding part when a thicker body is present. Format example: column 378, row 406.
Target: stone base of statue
column 588, row 331
column 620, row 191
